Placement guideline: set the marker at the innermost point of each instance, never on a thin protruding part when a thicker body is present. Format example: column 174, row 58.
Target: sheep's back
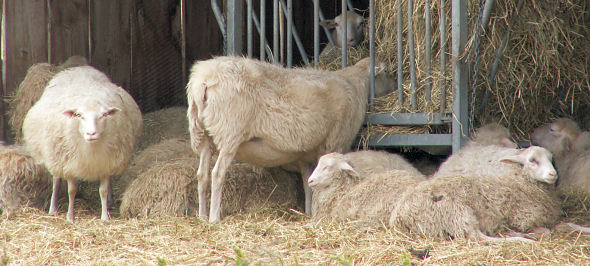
column 479, row 161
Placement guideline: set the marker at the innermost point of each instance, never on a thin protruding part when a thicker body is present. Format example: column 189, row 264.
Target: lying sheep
column 478, row 205
column 570, row 148
column 82, row 127
column 492, row 134
column 22, row 181
column 346, row 188
column 31, row 88
column 266, row 115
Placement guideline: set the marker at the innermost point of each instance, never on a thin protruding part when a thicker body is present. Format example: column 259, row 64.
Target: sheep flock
column 257, row 136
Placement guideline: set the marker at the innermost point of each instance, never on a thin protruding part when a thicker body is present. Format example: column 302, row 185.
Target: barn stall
column 148, row 59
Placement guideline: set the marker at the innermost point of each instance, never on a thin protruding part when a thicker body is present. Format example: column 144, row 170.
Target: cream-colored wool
column 52, row 129
column 267, row 115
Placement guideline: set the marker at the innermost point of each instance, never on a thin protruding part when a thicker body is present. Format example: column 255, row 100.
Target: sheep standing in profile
column 571, row 149
column 267, row 115
column 478, row 204
column 360, row 185
column 82, row 127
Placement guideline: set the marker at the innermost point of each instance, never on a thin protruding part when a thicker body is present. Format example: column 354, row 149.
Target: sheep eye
column 533, row 160
column 77, row 115
column 105, row 114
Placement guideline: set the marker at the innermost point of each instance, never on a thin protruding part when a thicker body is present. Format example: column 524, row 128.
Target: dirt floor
column 31, row 237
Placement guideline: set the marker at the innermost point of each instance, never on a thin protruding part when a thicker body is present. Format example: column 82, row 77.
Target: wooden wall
column 132, row 41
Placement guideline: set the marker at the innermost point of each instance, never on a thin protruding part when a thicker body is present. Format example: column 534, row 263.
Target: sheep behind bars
column 82, row 127
column 267, row 115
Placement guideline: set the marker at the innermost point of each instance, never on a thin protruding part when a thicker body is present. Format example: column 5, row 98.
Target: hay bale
column 163, row 151
column 22, row 181
column 164, row 124
column 543, row 72
column 170, row 189
column 27, row 93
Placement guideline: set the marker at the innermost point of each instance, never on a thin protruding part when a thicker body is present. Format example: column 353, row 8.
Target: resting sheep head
column 560, row 136
column 536, row 162
column 92, row 119
column 330, row 167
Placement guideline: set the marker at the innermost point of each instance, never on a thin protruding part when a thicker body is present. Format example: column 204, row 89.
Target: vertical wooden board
column 203, row 36
column 69, row 29
column 110, row 42
column 156, row 56
column 26, row 44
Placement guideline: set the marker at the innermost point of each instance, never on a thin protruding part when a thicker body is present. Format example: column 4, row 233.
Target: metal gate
column 456, row 117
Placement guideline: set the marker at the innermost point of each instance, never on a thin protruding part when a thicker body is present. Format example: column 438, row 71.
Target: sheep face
column 355, row 28
column 536, row 163
column 92, row 119
column 557, row 137
column 330, row 167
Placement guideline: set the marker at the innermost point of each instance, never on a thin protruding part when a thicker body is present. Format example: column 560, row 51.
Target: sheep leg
column 492, row 239
column 54, row 195
column 203, row 178
column 104, row 191
column 569, row 227
column 306, row 170
column 218, row 177
column 72, row 190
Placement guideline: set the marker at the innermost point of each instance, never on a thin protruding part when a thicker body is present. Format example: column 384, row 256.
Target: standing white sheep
column 266, row 115
column 353, row 187
column 571, row 149
column 82, row 127
column 478, row 203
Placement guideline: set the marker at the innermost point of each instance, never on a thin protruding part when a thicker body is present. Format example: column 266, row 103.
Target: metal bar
column 316, row 32
column 327, row 31
column 290, row 33
column 344, row 32
column 219, row 17
column 428, row 43
column 400, row 59
column 234, row 26
column 249, row 33
column 486, row 13
column 372, row 53
column 408, row 119
column 262, row 29
column 183, row 40
column 350, row 6
column 257, row 25
column 443, row 54
column 412, row 54
column 297, row 40
column 275, row 31
column 460, row 72
column 379, row 140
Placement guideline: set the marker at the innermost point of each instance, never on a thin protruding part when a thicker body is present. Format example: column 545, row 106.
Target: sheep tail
column 196, row 103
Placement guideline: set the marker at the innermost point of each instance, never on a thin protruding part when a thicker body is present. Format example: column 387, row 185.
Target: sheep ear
column 346, row 167
column 330, row 23
column 517, row 159
column 70, row 113
column 112, row 111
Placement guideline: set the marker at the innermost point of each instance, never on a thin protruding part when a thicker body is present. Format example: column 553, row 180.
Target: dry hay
column 163, row 124
column 543, row 73
column 31, row 237
column 22, row 181
column 169, row 188
column 161, row 152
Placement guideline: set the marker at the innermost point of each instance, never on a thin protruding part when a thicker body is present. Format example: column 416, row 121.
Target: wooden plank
column 110, row 40
column 156, row 55
column 68, row 29
column 26, row 44
column 203, row 38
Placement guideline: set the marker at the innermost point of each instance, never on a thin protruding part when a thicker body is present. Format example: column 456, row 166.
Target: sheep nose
column 91, row 133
